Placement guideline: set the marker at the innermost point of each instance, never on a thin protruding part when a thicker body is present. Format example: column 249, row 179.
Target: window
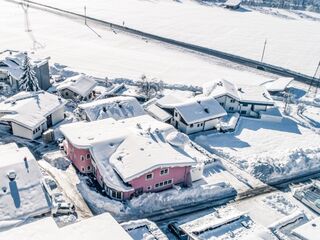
column 245, row 104
column 163, row 184
column 164, row 171
column 89, row 168
column 191, row 125
column 198, row 125
column 149, row 176
column 243, row 112
column 88, row 156
column 149, row 188
column 81, row 157
column 232, row 100
column 82, row 169
column 176, row 114
column 231, row 108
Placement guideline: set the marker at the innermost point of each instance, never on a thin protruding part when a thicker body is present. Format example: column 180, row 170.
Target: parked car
column 49, row 185
column 63, row 208
column 176, row 230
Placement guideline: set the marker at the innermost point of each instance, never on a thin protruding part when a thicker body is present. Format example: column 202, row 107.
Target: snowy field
column 116, row 55
column 270, row 150
column 292, row 36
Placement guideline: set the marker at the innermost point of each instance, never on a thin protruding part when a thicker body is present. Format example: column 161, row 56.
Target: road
column 191, row 47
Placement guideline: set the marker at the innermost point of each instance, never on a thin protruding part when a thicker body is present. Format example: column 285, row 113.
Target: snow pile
column 293, row 162
column 279, row 203
column 62, row 70
column 57, row 159
column 149, row 203
column 99, row 203
column 177, row 139
column 310, row 99
column 267, row 150
column 152, row 202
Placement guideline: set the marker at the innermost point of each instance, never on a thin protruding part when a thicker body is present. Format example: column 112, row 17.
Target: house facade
column 10, row 71
column 78, row 88
column 131, row 159
column 246, row 99
column 29, row 114
column 189, row 115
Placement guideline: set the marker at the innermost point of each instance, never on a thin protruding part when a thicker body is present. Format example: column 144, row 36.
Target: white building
column 188, row 115
column 79, row 87
column 114, row 107
column 232, row 4
column 248, row 100
column 31, row 113
column 11, row 72
column 103, row 226
column 21, row 193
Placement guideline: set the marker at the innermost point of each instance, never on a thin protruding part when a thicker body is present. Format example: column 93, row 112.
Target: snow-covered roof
column 218, row 225
column 223, row 87
column 24, row 196
column 279, row 85
column 241, row 92
column 309, row 230
column 168, row 101
column 158, row 113
column 80, row 84
column 114, row 107
column 232, row 3
column 144, row 229
column 131, row 147
column 30, row 109
column 12, row 64
column 254, row 94
column 200, row 109
column 103, row 226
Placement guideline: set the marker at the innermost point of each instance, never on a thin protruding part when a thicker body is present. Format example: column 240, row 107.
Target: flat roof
column 103, row 226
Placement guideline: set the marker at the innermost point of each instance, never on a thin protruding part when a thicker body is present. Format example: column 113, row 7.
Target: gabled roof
column 80, row 84
column 12, row 64
column 114, row 107
column 223, row 87
column 200, row 109
column 127, row 148
column 241, row 92
column 30, row 109
column 24, row 196
column 254, row 94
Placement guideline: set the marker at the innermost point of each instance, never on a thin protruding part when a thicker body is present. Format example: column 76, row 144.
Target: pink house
column 131, row 156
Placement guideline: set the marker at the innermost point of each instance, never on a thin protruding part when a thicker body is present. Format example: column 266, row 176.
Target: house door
column 49, row 121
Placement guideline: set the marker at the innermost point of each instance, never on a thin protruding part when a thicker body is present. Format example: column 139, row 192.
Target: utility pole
column 264, row 48
column 85, row 15
column 314, row 77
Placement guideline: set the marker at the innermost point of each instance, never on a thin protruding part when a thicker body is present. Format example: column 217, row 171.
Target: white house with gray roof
column 188, row 115
column 248, row 100
column 29, row 114
column 79, row 87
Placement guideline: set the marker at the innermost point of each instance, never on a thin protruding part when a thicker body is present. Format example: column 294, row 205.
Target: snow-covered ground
column 116, row 55
column 292, row 36
column 270, row 150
